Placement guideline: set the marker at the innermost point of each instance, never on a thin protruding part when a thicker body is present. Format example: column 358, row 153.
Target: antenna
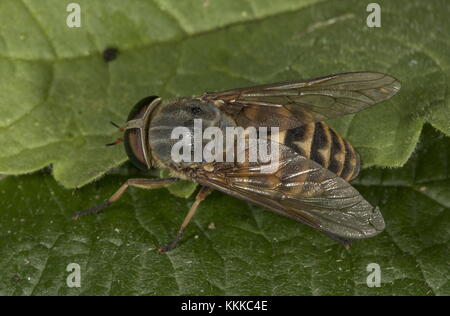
column 118, row 140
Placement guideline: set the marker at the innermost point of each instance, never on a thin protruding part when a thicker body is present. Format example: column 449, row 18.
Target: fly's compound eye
column 139, row 109
column 134, row 147
column 134, row 139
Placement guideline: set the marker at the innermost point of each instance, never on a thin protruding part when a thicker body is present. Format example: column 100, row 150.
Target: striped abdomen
column 319, row 142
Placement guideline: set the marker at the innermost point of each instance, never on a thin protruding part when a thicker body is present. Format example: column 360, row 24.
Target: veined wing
column 301, row 189
column 291, row 104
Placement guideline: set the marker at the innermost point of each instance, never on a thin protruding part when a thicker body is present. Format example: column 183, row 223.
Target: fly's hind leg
column 201, row 195
column 139, row 183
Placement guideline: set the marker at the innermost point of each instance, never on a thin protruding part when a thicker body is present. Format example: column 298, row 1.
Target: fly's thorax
column 182, row 114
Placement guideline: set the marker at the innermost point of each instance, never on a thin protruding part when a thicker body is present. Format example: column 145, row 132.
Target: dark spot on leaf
column 16, row 278
column 110, row 54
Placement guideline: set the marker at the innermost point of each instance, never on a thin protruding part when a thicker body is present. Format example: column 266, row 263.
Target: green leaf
column 57, row 94
column 247, row 250
column 182, row 188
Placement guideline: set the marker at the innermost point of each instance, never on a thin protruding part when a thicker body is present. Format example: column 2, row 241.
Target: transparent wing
column 301, row 189
column 293, row 103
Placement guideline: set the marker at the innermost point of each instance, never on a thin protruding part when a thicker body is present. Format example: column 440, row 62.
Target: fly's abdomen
column 319, row 142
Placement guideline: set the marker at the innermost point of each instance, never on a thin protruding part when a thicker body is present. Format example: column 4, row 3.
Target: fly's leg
column 139, row 183
column 201, row 195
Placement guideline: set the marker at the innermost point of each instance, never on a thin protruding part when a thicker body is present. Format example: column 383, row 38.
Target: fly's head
column 136, row 132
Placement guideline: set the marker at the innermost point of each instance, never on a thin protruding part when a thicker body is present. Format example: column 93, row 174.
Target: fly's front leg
column 201, row 195
column 139, row 183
